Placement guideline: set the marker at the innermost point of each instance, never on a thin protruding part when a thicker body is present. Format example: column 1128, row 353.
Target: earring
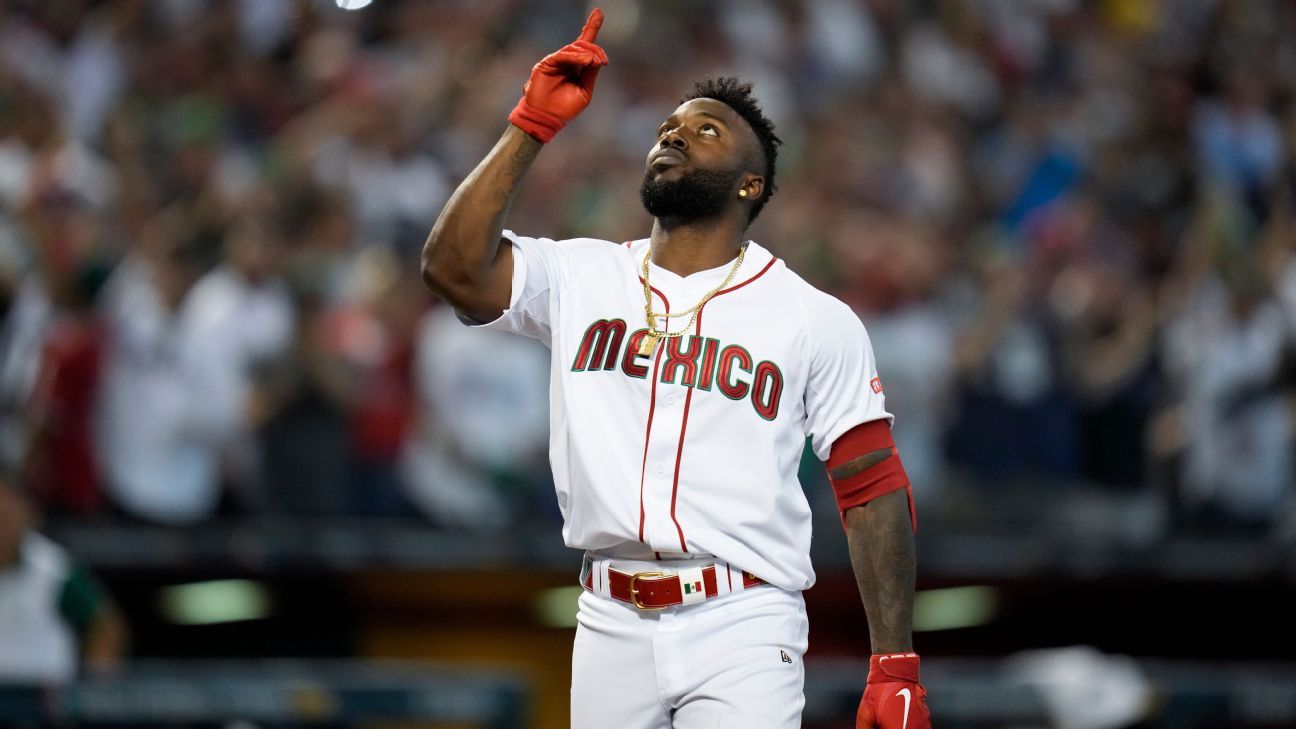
column 742, row 193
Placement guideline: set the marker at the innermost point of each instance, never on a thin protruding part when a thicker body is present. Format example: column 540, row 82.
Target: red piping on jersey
column 679, row 452
column 735, row 287
column 652, row 407
column 688, row 399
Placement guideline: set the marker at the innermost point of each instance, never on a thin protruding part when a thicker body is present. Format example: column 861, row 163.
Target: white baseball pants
column 732, row 661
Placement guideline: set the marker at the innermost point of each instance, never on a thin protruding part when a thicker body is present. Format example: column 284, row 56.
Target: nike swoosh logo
column 905, row 692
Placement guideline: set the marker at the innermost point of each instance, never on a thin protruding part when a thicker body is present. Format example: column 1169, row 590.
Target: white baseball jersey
column 695, row 448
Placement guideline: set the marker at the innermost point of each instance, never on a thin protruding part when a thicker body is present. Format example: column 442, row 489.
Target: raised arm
column 463, row 261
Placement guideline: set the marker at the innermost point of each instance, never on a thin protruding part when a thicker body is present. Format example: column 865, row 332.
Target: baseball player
column 688, row 370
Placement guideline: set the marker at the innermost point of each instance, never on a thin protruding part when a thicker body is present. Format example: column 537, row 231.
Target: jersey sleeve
column 843, row 388
column 533, row 301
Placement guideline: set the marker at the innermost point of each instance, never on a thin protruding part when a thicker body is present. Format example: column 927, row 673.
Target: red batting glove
column 893, row 698
column 561, row 85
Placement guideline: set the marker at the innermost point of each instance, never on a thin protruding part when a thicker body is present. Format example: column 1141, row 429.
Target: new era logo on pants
column 786, row 658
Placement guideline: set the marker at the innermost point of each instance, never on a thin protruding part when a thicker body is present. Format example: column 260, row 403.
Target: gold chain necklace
column 649, row 343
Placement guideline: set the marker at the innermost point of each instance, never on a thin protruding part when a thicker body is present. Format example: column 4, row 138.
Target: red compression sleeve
column 859, row 488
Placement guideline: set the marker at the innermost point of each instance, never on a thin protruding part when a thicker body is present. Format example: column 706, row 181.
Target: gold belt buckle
column 634, row 591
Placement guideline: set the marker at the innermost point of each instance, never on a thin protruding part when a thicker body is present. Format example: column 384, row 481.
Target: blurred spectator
column 1238, row 140
column 1224, row 352
column 478, row 455
column 60, row 463
column 244, row 313
column 74, row 52
column 939, row 64
column 1112, row 367
column 304, row 405
column 395, row 187
column 308, row 457
column 26, row 317
column 165, row 413
column 1016, row 419
column 55, row 618
column 370, row 336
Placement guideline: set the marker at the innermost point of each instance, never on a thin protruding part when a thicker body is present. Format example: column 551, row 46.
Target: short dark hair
column 737, row 95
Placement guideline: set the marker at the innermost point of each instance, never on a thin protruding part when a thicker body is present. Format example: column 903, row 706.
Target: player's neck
column 696, row 246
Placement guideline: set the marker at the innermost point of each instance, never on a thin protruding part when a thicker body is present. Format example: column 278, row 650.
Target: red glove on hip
column 893, row 698
column 561, row 85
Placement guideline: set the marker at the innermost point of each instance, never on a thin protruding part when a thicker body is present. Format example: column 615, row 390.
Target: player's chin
column 664, row 172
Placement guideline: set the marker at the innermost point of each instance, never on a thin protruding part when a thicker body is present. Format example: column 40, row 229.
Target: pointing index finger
column 592, row 25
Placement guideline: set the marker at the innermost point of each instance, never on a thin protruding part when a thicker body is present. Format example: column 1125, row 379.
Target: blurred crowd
column 1069, row 227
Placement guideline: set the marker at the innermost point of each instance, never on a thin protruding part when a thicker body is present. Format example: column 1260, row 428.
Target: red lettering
column 628, row 364
column 729, row 356
column 686, row 358
column 767, row 387
column 707, row 371
column 602, row 342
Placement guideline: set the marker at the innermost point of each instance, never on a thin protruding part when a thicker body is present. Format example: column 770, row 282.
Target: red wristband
column 893, row 698
column 893, row 667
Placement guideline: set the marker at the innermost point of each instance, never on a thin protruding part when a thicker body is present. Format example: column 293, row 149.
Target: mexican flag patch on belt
column 692, row 588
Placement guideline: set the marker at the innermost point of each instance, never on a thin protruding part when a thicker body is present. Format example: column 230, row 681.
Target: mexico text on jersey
column 700, row 362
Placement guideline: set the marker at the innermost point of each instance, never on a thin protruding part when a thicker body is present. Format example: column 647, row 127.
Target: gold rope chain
column 649, row 343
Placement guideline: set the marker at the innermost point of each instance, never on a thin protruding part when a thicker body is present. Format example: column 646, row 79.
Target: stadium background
column 312, row 497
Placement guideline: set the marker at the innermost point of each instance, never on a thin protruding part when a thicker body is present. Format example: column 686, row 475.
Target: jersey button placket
column 660, row 528
column 657, row 451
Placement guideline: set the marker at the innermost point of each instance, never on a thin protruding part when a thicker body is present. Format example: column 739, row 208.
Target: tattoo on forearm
column 505, row 182
column 502, row 191
column 859, row 464
column 882, row 552
column 526, row 152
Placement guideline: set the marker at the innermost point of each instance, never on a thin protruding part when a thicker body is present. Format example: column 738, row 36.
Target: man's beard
column 698, row 194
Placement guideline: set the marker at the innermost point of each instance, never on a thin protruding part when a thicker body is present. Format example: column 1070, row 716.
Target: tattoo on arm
column 859, row 464
column 882, row 552
column 526, row 152
column 506, row 180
